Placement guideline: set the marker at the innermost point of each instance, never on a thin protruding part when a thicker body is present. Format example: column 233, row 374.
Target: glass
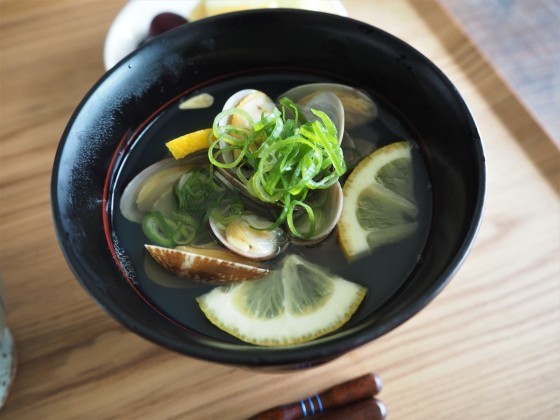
column 7, row 355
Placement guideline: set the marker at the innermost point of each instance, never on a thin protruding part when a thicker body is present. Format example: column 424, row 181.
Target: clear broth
column 384, row 272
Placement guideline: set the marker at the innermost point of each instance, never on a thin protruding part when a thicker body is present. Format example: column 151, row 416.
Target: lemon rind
column 187, row 144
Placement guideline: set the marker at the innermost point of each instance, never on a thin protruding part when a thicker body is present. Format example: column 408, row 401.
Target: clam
column 358, row 106
column 256, row 104
column 153, row 187
column 327, row 207
column 206, row 265
column 246, row 236
column 252, row 101
column 327, row 102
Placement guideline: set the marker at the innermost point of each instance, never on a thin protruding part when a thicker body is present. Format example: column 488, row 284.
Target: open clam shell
column 327, row 206
column 153, row 187
column 240, row 237
column 330, row 104
column 359, row 107
column 206, row 265
column 252, row 101
column 256, row 104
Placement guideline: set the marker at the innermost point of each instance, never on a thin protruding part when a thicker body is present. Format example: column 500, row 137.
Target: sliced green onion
column 218, row 129
column 310, row 216
column 177, row 229
column 157, row 229
column 197, row 190
column 280, row 157
column 184, row 235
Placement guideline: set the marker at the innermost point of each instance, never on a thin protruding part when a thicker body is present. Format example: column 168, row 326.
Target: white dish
column 132, row 24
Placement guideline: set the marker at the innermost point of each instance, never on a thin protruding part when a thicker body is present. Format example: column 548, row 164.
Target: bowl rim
column 320, row 349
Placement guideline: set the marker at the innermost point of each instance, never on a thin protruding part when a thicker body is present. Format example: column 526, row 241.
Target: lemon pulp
column 294, row 304
column 379, row 205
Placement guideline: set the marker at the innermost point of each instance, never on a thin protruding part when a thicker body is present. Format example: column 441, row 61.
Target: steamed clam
column 247, row 235
column 358, row 107
column 327, row 206
column 152, row 189
column 245, row 107
column 207, row 265
column 251, row 105
column 327, row 102
column 253, row 102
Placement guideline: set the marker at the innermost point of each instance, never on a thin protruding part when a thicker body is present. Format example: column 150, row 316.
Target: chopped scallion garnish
column 283, row 156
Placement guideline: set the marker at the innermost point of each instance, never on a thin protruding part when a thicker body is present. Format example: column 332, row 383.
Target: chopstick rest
column 360, row 388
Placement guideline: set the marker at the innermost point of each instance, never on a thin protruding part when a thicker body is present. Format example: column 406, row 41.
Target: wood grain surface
column 487, row 348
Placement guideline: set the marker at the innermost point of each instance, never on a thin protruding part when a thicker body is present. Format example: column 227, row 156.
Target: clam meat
column 247, row 235
column 252, row 102
column 255, row 104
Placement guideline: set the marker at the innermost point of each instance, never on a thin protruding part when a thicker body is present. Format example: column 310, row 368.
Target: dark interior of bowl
column 260, row 43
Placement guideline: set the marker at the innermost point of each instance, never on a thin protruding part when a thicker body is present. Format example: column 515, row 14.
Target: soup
column 383, row 271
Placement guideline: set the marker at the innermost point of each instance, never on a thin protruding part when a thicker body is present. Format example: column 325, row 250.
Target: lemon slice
column 379, row 205
column 293, row 304
column 189, row 143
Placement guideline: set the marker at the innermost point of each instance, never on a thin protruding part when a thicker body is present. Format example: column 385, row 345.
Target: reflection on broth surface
column 382, row 272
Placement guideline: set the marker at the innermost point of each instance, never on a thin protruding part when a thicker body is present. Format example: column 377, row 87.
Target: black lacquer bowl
column 262, row 45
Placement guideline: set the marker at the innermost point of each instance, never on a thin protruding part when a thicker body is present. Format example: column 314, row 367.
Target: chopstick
column 355, row 394
column 367, row 409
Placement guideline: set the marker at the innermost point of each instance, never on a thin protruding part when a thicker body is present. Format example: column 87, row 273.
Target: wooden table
column 487, row 348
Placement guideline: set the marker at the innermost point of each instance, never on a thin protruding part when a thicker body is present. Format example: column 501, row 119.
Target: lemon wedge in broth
column 379, row 205
column 294, row 304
